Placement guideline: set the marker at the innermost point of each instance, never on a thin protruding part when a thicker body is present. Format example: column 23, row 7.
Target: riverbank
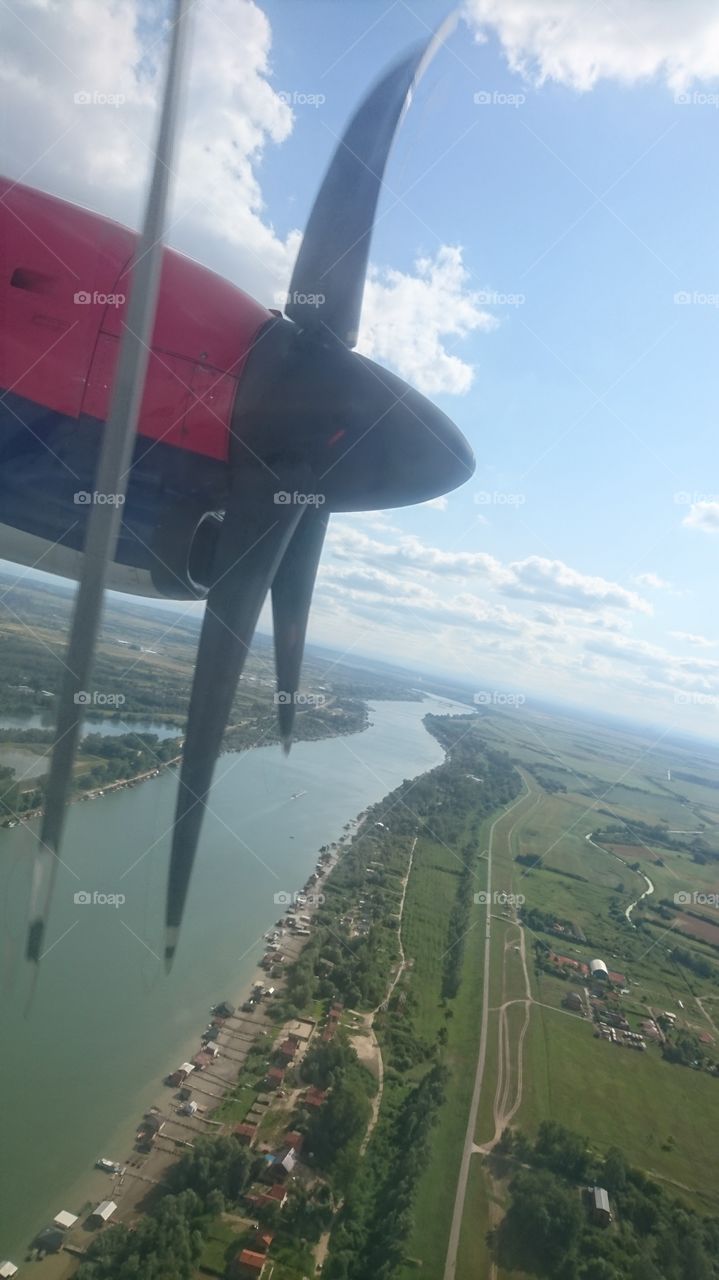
column 105, row 1017
column 233, row 744
column 140, row 1173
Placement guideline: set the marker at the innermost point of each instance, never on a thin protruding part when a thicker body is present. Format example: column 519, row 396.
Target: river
column 106, row 1023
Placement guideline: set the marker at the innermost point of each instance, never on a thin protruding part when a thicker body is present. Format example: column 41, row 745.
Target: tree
column 541, row 1226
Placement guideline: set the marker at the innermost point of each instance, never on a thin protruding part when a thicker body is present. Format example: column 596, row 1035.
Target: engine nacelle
column 183, row 550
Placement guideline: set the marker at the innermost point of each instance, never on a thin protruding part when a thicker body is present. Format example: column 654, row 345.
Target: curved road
column 650, row 887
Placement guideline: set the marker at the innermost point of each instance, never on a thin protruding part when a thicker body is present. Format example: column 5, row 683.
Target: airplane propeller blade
column 111, row 481
column 369, row 438
column 332, row 260
column 255, row 534
column 291, row 599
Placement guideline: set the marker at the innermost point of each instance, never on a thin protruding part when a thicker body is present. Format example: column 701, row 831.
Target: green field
column 660, row 1115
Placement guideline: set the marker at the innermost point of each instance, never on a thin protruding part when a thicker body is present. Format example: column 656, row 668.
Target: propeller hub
column 371, row 440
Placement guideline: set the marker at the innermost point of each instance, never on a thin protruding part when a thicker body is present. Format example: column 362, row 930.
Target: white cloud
column 688, row 637
column 579, row 42
column 704, row 516
column 554, row 582
column 406, row 320
column 535, row 578
column 437, row 504
column 654, row 581
column 98, row 155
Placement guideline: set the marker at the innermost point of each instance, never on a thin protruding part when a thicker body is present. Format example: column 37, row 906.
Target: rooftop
column 65, row 1220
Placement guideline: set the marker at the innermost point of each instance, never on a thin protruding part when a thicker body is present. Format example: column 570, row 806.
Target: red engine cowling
column 64, row 281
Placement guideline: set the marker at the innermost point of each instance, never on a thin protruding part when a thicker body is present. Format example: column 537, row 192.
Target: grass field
column 430, row 896
column 663, row 1116
column 657, row 1113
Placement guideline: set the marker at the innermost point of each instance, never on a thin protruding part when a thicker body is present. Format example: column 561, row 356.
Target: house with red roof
column 249, row 1263
column 314, row 1097
column 263, row 1196
column 245, row 1133
column 288, row 1048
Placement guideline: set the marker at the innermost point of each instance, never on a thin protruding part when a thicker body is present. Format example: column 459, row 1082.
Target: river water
column 106, row 1023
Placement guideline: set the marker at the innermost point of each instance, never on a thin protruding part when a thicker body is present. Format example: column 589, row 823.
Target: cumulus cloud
column 704, row 516
column 535, row 578
column 578, row 43
column 407, row 319
column 98, row 154
column 554, row 582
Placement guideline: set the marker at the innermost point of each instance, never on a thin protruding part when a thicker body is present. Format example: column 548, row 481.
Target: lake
column 107, row 1024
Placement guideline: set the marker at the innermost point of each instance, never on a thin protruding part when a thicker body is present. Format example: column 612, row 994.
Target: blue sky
column 552, row 192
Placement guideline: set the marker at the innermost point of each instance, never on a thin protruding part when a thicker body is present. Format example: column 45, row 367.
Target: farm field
column 604, row 815
column 658, row 1114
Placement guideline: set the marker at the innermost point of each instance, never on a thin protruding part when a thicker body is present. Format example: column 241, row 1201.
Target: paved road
column 453, row 1245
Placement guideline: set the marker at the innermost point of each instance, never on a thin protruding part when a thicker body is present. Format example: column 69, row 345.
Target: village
column 244, row 1065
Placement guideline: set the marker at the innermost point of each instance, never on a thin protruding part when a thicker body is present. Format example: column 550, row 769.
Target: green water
column 107, row 1024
